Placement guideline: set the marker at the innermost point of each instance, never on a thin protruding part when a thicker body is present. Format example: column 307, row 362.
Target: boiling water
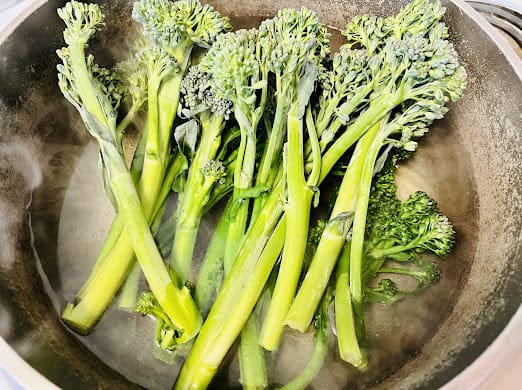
column 125, row 341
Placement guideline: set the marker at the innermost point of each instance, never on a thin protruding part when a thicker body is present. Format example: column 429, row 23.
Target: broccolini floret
column 166, row 331
column 416, row 226
column 386, row 291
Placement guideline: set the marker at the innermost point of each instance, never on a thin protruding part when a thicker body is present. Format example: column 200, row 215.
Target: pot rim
column 20, row 372
column 508, row 344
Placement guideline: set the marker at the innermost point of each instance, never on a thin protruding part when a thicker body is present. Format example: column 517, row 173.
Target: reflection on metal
column 506, row 16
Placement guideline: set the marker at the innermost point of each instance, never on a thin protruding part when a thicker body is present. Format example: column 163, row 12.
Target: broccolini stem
column 128, row 119
column 110, row 241
column 272, row 153
column 315, row 151
column 204, row 359
column 332, row 240
column 158, row 142
column 230, row 311
column 109, row 274
column 251, row 357
column 147, row 161
column 243, row 179
column 345, row 315
column 174, row 170
column 84, row 314
column 83, row 79
column 184, row 243
column 152, row 172
column 375, row 112
column 380, row 253
column 328, row 128
column 321, row 340
column 129, row 291
column 152, row 146
column 360, row 212
column 297, row 212
column 139, row 154
column 175, row 300
column 211, row 272
column 195, row 195
column 117, row 225
column 200, row 366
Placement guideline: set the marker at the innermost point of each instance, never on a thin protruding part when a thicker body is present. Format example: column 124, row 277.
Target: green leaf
column 179, row 182
column 250, row 193
column 317, row 195
column 186, row 136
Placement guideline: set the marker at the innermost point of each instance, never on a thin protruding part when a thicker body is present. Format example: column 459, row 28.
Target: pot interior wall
column 54, row 216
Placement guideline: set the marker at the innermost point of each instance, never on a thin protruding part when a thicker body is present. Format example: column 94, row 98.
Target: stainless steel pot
column 457, row 334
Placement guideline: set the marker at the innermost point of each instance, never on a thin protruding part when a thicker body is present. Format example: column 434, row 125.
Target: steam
column 6, row 322
column 20, row 174
column 86, row 214
column 19, row 156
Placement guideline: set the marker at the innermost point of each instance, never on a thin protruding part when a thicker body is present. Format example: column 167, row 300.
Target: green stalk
column 321, row 340
column 84, row 83
column 347, row 109
column 161, row 116
column 297, row 212
column 252, row 364
column 174, row 299
column 252, row 358
column 110, row 273
column 204, row 359
column 129, row 291
column 84, row 314
column 375, row 112
column 195, row 196
column 177, row 303
column 177, row 166
column 184, row 241
column 381, row 253
column 360, row 212
column 110, row 242
column 303, row 307
column 327, row 113
column 117, row 224
column 346, row 315
column 315, row 363
column 243, row 179
column 332, row 240
column 128, row 118
column 272, row 153
column 139, row 154
column 223, row 326
column 211, row 272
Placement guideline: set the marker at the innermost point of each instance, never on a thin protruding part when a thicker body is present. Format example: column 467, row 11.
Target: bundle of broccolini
column 256, row 121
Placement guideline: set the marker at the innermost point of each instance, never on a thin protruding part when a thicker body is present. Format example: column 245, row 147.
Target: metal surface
column 505, row 16
column 470, row 163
